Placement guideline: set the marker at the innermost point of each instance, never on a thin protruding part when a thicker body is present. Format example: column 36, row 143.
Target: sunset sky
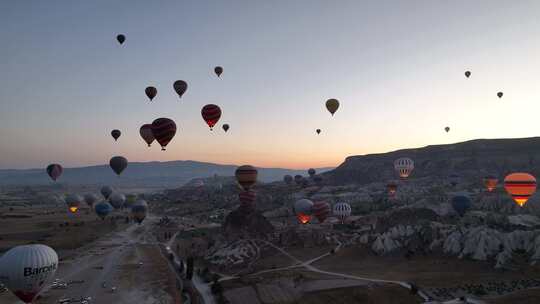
column 395, row 66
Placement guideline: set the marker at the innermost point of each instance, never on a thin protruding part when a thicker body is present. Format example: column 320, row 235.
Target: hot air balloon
column 468, row 74
column 139, row 210
column 342, row 211
column 90, row 199
column 106, row 191
column 288, row 179
column 247, row 199
column 218, row 70
column 461, row 204
column 147, row 134
column 118, row 164
column 447, row 129
column 180, row 87
column 211, row 114
column 500, row 94
column 321, row 210
column 332, row 105
column 303, row 209
column 54, row 171
column 404, row 166
column 103, row 209
column 521, row 186
column 490, row 182
column 26, row 269
column 164, row 130
column 117, row 200
column 116, row 134
column 225, row 127
column 298, row 179
column 318, row 131
column 392, row 188
column 311, row 172
column 73, row 202
column 121, row 38
column 151, row 92
column 246, row 176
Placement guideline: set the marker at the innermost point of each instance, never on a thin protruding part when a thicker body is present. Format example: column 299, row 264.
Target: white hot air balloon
column 26, row 269
column 404, row 166
column 342, row 211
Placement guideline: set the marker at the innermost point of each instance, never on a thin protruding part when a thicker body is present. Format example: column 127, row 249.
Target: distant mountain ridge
column 147, row 174
column 470, row 159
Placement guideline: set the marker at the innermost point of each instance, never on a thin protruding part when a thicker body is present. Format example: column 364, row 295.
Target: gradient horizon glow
column 395, row 66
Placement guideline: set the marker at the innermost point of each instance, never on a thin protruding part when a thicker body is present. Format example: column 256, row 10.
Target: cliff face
column 470, row 159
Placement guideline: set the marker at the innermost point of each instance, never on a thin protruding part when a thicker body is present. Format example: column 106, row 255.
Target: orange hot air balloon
column 490, row 182
column 520, row 186
column 392, row 188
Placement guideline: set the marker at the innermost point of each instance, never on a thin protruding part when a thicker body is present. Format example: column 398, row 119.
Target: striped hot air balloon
column 342, row 211
column 247, row 200
column 246, row 176
column 520, row 186
column 404, row 166
column 54, row 171
column 163, row 130
column 321, row 210
column 211, row 114
column 490, row 182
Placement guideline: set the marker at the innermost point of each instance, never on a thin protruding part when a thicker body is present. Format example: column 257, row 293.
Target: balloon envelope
column 54, row 171
column 342, row 211
column 246, row 176
column 121, row 38
column 116, row 134
column 218, row 70
column 226, row 127
column 26, row 269
column 106, row 191
column 163, row 130
column 500, row 94
column 447, row 129
column 103, row 209
column 318, row 131
column 139, row 210
column 321, row 210
column 118, row 164
column 332, row 105
column 490, row 182
column 303, row 209
column 520, row 186
column 150, row 92
column 404, row 166
column 467, row 74
column 211, row 114
column 180, row 87
column 73, row 202
column 117, row 200
column 90, row 199
column 146, row 133
column 311, row 172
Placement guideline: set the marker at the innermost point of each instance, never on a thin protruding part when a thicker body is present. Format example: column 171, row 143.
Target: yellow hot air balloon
column 332, row 105
column 73, row 209
column 520, row 186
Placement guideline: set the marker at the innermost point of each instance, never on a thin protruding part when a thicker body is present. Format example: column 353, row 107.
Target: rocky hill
column 470, row 159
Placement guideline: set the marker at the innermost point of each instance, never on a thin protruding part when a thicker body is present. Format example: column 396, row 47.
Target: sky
column 397, row 68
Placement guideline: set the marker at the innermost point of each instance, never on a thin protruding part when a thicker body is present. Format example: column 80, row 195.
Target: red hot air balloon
column 151, row 92
column 246, row 176
column 116, row 134
column 211, row 114
column 521, row 186
column 490, row 182
column 321, row 210
column 163, row 130
column 147, row 134
column 54, row 171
